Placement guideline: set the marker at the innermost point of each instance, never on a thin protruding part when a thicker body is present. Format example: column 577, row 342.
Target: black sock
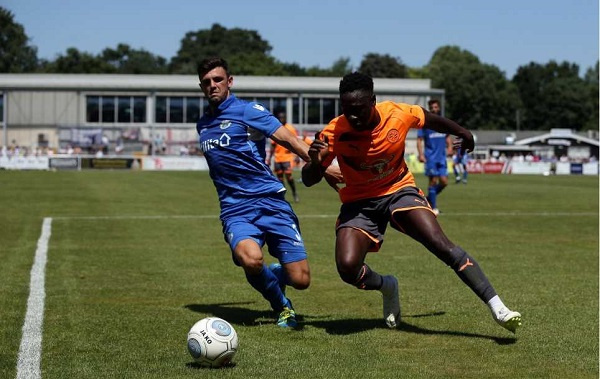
column 368, row 279
column 470, row 273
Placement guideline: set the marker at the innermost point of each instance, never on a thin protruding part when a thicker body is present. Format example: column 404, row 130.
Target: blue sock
column 438, row 189
column 267, row 284
column 432, row 196
column 465, row 174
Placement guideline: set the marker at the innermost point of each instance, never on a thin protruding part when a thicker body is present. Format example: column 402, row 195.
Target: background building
column 157, row 113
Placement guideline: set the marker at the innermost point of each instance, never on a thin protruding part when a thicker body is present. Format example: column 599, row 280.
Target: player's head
column 358, row 100
column 215, row 80
column 434, row 106
column 281, row 116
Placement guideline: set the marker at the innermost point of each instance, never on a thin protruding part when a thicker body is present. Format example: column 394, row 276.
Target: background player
column 460, row 160
column 433, row 148
column 284, row 158
column 369, row 142
column 253, row 208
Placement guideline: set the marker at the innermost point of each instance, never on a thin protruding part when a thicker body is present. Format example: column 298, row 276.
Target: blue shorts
column 436, row 168
column 269, row 220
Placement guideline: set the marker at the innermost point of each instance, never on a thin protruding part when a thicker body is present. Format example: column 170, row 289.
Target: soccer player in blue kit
column 437, row 147
column 254, row 211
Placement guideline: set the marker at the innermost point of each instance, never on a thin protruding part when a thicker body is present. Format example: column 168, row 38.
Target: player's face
column 358, row 107
column 216, row 84
column 435, row 108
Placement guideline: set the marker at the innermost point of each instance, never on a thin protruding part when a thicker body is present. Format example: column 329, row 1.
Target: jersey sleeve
column 415, row 114
column 259, row 118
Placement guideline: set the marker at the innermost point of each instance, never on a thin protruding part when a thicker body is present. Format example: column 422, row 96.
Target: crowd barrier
column 178, row 163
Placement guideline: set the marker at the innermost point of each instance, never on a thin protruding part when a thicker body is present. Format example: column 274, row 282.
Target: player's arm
column 420, row 152
column 313, row 171
column 449, row 147
column 289, row 140
column 447, row 126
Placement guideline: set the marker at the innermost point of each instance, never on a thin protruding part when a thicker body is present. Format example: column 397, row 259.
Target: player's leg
column 432, row 192
column 465, row 172
column 351, row 248
column 248, row 254
column 421, row 225
column 290, row 180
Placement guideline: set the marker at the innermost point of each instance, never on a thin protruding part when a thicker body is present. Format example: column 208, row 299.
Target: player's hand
column 333, row 176
column 422, row 158
column 319, row 149
column 464, row 143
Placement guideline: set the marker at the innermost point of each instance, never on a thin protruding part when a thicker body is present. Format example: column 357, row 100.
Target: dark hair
column 356, row 81
column 433, row 101
column 208, row 64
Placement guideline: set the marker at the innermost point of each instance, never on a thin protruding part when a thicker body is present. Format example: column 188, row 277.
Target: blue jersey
column 233, row 143
column 435, row 145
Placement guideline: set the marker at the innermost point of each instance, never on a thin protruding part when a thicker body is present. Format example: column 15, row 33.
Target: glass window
column 279, row 104
column 161, row 109
column 108, row 109
column 176, row 109
column 1, row 107
column 329, row 110
column 296, row 110
column 192, row 109
column 313, row 110
column 92, row 107
column 139, row 109
column 124, row 108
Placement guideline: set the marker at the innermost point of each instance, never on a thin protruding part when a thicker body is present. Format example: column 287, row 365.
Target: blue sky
column 506, row 33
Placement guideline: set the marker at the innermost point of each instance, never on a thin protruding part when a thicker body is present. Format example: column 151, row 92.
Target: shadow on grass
column 235, row 314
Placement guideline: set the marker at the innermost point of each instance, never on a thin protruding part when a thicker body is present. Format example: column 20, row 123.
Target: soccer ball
column 212, row 342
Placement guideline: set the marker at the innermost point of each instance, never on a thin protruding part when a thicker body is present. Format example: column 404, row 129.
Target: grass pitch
column 135, row 258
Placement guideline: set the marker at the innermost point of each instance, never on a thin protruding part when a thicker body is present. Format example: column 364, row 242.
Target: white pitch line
column 30, row 351
column 444, row 214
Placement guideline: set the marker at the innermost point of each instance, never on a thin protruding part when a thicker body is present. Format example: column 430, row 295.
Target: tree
column 554, row 96
column 223, row 42
column 591, row 79
column 76, row 62
column 126, row 60
column 16, row 55
column 478, row 95
column 382, row 66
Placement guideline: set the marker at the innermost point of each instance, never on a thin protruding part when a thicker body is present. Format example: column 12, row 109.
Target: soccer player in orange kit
column 368, row 140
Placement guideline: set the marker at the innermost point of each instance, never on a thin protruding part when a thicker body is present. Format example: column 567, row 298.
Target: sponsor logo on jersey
column 259, row 107
column 225, row 124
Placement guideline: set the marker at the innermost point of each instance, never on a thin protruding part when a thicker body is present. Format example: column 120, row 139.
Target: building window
column 179, row 109
column 93, row 108
column 1, row 108
column 115, row 109
column 108, row 109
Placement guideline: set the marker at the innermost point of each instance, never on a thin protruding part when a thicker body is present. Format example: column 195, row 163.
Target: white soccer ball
column 212, row 342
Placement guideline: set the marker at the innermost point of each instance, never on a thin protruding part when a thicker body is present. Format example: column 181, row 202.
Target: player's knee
column 301, row 284
column 348, row 271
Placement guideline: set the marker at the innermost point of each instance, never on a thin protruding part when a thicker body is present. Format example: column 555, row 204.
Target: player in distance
column 368, row 140
column 433, row 148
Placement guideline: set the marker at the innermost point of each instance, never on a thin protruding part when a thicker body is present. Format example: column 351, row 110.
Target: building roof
column 558, row 137
column 277, row 84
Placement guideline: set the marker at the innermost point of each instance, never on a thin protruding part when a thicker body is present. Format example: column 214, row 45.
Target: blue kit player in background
column 460, row 161
column 254, row 211
column 437, row 146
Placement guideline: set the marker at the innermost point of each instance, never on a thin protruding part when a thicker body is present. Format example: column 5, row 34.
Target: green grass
column 123, row 288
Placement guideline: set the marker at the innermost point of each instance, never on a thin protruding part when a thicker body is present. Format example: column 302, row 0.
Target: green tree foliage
column 554, row 96
column 382, row 66
column 220, row 41
column 126, row 60
column 591, row 79
column 77, row 62
column 339, row 68
column 478, row 95
column 16, row 55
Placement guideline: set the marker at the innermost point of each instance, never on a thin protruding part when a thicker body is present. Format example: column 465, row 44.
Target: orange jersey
column 280, row 153
column 372, row 161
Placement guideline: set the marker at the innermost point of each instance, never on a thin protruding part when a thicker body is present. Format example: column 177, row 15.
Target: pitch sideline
column 30, row 350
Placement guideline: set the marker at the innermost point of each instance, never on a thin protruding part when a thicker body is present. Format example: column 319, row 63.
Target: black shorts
column 283, row 167
column 371, row 216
